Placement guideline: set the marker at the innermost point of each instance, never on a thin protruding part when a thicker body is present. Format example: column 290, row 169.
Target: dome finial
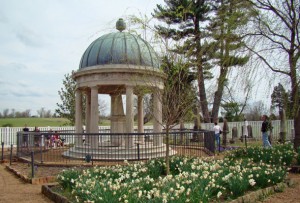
column 120, row 25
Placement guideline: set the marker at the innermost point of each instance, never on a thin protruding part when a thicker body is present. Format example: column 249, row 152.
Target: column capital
column 94, row 88
column 129, row 86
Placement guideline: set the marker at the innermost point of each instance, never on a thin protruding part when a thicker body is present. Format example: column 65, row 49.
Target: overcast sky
column 42, row 40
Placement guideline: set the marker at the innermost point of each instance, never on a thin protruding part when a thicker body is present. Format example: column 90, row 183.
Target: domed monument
column 117, row 64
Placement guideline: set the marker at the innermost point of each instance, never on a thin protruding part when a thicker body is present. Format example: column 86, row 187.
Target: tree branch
column 266, row 62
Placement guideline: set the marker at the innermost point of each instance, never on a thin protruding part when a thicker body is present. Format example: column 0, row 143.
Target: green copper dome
column 119, row 48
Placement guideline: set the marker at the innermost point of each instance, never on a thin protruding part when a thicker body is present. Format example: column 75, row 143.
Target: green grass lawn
column 40, row 122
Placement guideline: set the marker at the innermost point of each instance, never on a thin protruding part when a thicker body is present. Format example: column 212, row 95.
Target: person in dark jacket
column 265, row 129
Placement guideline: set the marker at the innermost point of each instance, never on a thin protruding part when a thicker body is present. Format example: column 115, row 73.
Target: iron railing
column 74, row 148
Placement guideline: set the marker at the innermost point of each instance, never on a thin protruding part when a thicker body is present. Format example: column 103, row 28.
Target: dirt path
column 13, row 189
column 289, row 195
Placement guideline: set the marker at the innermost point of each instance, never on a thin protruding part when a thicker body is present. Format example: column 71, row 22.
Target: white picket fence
column 256, row 128
column 8, row 135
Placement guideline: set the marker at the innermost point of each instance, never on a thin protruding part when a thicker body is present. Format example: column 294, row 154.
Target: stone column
column 88, row 112
column 141, row 118
column 129, row 116
column 93, row 140
column 78, row 116
column 157, row 112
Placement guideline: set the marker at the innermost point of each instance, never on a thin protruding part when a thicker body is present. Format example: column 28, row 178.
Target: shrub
column 277, row 155
column 67, row 178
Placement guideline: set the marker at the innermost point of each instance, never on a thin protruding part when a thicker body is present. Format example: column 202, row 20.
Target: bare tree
column 255, row 110
column 27, row 113
column 5, row 113
column 48, row 114
column 102, row 107
column 41, row 112
column 178, row 98
column 276, row 33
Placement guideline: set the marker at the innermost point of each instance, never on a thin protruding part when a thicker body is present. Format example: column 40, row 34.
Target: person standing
column 25, row 136
column 37, row 136
column 265, row 129
column 218, row 131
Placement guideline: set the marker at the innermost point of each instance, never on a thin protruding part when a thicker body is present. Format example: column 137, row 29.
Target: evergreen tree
column 184, row 19
column 67, row 95
column 279, row 97
column 231, row 16
column 282, row 100
column 232, row 111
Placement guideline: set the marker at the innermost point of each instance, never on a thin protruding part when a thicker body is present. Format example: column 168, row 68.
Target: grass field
column 40, row 122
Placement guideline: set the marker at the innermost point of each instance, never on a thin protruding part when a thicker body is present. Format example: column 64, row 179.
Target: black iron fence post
column 246, row 141
column 10, row 158
column 19, row 144
column 138, row 150
column 41, row 151
column 2, row 149
column 32, row 164
column 175, row 139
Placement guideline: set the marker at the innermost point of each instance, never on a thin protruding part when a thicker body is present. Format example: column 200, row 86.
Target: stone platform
column 105, row 152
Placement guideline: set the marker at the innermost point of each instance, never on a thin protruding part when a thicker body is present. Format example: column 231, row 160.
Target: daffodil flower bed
column 190, row 179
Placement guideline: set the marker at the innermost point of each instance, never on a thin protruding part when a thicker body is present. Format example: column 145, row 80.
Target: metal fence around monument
column 77, row 149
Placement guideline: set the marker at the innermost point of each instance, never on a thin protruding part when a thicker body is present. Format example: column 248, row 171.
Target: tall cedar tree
column 183, row 19
column 279, row 97
column 228, row 46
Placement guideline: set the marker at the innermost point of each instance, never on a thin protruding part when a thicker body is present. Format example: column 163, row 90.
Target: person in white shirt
column 217, row 130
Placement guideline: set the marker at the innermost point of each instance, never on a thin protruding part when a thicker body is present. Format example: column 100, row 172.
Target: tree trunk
column 197, row 124
column 295, row 102
column 202, row 95
column 297, row 131
column 181, row 131
column 200, row 72
column 218, row 94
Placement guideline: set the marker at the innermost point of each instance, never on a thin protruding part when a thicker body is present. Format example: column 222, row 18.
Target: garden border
column 34, row 181
column 50, row 181
column 251, row 197
column 54, row 196
column 260, row 194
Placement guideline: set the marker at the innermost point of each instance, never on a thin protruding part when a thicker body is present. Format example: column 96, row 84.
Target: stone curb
column 255, row 196
column 55, row 197
column 34, row 181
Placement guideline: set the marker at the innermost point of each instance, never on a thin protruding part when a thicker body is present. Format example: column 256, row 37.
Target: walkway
column 13, row 189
